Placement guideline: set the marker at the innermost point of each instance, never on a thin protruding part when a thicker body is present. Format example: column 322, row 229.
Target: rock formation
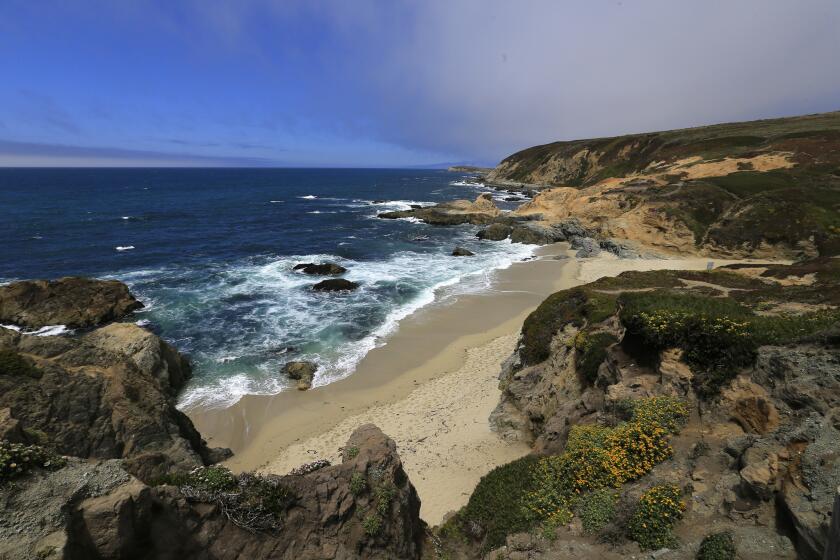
column 321, row 269
column 74, row 302
column 365, row 508
column 335, row 285
column 302, row 372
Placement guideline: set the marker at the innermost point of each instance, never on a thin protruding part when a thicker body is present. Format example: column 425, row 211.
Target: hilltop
column 766, row 188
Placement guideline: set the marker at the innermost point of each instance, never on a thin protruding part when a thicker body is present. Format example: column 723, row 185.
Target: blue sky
column 367, row 83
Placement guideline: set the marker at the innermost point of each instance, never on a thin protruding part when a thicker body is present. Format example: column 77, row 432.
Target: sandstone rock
column 74, row 302
column 10, row 428
column 303, row 372
column 750, row 406
column 461, row 252
column 321, row 269
column 675, row 375
column 335, row 285
column 495, row 232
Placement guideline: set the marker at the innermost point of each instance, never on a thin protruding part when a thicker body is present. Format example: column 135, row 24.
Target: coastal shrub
column 668, row 412
column 12, row 363
column 718, row 336
column 557, row 311
column 658, row 511
column 497, row 505
column 358, row 484
column 372, row 524
column 592, row 350
column 383, row 495
column 597, row 509
column 352, row 452
column 717, row 546
column 599, row 457
column 17, row 459
column 253, row 502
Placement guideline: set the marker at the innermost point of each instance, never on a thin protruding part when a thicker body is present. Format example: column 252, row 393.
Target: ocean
column 210, row 253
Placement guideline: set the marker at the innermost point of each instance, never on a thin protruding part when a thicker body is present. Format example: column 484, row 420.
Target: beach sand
column 431, row 387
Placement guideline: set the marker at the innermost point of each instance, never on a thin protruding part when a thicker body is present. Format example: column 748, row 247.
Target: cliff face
column 734, row 378
column 718, row 190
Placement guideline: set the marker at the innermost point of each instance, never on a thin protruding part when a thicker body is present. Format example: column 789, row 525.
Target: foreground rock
column 365, row 508
column 74, row 302
column 107, row 394
column 495, row 232
column 302, row 372
column 335, row 285
column 461, row 252
column 322, row 269
column 482, row 211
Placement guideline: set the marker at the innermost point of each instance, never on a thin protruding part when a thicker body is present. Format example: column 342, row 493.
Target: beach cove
column 431, row 387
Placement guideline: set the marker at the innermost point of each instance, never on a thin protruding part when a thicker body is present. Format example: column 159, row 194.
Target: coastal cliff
column 668, row 410
column 767, row 188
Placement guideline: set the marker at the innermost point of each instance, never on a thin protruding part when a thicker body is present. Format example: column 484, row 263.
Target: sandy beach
column 431, row 387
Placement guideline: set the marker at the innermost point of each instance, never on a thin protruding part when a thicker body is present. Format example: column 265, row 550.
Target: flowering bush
column 598, row 457
column 668, row 412
column 658, row 510
column 717, row 546
column 17, row 459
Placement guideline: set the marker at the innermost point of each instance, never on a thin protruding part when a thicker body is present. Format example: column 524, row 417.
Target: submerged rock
column 335, row 285
column 74, row 302
column 461, row 252
column 321, row 269
column 303, row 372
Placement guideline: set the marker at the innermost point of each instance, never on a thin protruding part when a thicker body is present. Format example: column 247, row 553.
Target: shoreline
column 431, row 387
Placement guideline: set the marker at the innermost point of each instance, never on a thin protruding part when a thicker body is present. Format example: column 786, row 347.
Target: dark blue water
column 210, row 252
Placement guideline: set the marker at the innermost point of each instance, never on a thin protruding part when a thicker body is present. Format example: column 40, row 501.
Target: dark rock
column 98, row 511
column 513, row 199
column 302, row 372
column 75, row 302
column 535, row 234
column 621, row 250
column 106, row 395
column 495, row 232
column 461, row 252
column 322, row 269
column 335, row 285
column 586, row 246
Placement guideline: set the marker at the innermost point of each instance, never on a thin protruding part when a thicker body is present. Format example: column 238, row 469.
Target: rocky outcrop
column 302, row 372
column 321, row 269
column 365, row 508
column 74, row 302
column 107, row 394
column 482, row 211
column 461, row 252
column 335, row 285
column 495, row 232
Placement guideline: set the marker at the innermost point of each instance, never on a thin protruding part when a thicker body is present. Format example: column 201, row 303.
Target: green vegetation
column 13, row 364
column 748, row 183
column 718, row 335
column 597, row 509
column 545, row 491
column 497, row 504
column 17, row 459
column 593, row 351
column 251, row 501
column 358, row 483
column 352, row 452
column 658, row 511
column 557, row 311
column 717, row 546
column 372, row 524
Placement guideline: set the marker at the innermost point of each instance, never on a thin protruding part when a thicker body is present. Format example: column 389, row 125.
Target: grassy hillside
column 734, row 186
